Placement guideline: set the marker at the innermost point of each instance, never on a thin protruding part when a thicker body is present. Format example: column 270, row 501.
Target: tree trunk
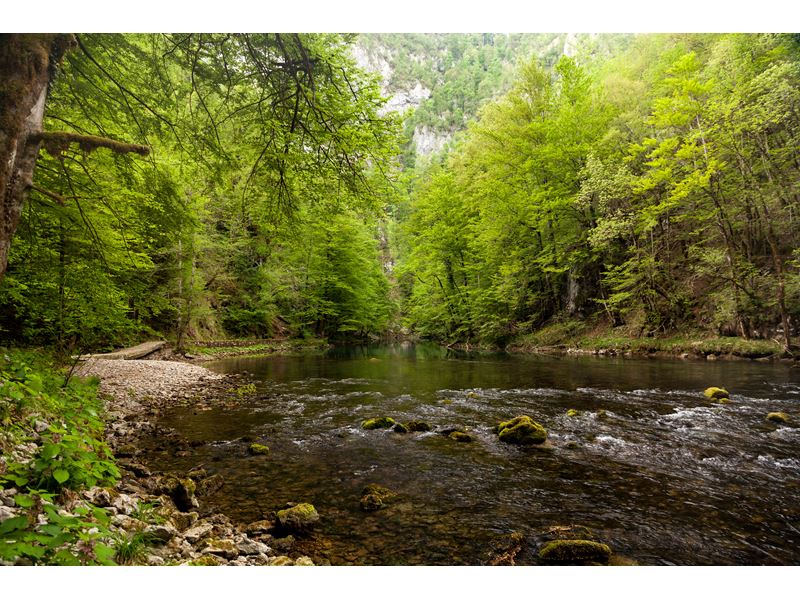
column 27, row 65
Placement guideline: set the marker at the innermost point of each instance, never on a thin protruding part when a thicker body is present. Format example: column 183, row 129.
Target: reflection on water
column 653, row 468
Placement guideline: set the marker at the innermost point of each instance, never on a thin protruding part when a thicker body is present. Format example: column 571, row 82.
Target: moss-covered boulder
column 716, row 393
column 417, row 426
column 375, row 497
column 209, row 485
column 400, row 428
column 378, row 423
column 224, row 548
column 257, row 449
column 521, row 430
column 778, row 417
column 299, row 517
column 572, row 552
column 209, row 560
column 181, row 491
column 460, row 436
column 572, row 412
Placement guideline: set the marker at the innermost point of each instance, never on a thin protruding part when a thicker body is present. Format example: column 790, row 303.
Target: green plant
column 147, row 512
column 47, row 535
column 129, row 548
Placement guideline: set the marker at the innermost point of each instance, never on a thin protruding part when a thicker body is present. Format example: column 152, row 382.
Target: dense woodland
column 646, row 183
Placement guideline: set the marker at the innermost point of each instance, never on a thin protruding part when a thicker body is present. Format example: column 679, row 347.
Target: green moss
column 374, row 496
column 258, row 449
column 575, row 552
column 298, row 517
column 778, row 417
column 400, row 428
column 573, row 412
column 716, row 393
column 460, row 436
column 521, row 430
column 378, row 423
column 209, row 560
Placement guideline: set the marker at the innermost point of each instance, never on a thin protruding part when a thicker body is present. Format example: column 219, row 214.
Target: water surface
column 664, row 477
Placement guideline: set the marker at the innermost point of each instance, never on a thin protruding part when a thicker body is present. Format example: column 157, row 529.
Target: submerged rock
column 299, row 517
column 521, row 430
column 209, row 485
column 575, row 552
column 378, row 423
column 716, row 393
column 374, row 497
column 778, row 417
column 257, row 449
column 417, row 426
column 460, row 436
column 400, row 428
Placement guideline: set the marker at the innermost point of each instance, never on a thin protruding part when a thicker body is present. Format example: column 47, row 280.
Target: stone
column 521, row 430
column 161, row 533
column 716, row 393
column 416, row 426
column 248, row 546
column 225, row 548
column 197, row 473
column 303, row 561
column 374, row 496
column 281, row 561
column 198, row 532
column 7, row 513
column 378, row 423
column 208, row 560
column 572, row 412
column 125, row 504
column 575, row 552
column 400, row 428
column 460, row 436
column 299, row 517
column 209, row 485
column 258, row 449
column 181, row 491
column 259, row 526
column 183, row 520
column 778, row 417
column 284, row 544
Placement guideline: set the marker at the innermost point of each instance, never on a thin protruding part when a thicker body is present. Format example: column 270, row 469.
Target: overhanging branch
column 56, row 143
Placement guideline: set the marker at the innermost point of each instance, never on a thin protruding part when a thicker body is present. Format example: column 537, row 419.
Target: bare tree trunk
column 27, row 64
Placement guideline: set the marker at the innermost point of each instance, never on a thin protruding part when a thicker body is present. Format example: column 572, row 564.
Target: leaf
column 23, row 500
column 50, row 451
column 13, row 524
column 60, row 475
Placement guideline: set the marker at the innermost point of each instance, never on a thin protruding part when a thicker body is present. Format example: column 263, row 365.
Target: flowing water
column 663, row 476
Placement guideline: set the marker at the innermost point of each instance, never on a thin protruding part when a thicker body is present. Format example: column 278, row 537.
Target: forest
column 652, row 189
column 528, row 196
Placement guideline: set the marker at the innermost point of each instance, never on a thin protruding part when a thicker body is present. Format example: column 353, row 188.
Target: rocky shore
column 167, row 511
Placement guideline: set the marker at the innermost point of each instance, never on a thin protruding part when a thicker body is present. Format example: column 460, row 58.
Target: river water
column 662, row 475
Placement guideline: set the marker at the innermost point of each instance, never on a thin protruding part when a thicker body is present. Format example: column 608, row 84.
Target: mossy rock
column 417, row 426
column 716, row 393
column 400, row 428
column 573, row 552
column 460, row 436
column 209, row 560
column 224, row 548
column 521, row 430
column 257, row 449
column 299, row 517
column 281, row 561
column 572, row 412
column 371, row 502
column 601, row 414
column 181, row 491
column 778, row 417
column 378, row 423
column 374, row 496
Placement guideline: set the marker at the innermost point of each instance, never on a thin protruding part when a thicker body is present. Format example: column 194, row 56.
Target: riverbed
column 648, row 464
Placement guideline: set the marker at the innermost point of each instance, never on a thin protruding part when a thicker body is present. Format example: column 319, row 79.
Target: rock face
column 716, row 393
column 522, row 430
column 572, row 552
column 299, row 517
column 378, row 423
column 778, row 417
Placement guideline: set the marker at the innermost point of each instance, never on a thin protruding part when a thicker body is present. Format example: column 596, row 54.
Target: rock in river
column 572, row 552
column 521, row 430
column 378, row 423
column 716, row 393
column 374, row 496
column 778, row 417
column 299, row 517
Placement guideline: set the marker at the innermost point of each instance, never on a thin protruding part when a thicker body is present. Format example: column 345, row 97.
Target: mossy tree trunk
column 27, row 64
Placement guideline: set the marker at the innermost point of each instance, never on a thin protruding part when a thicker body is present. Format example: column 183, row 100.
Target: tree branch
column 56, row 143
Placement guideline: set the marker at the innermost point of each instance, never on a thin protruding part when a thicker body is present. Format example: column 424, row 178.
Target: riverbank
column 577, row 338
column 69, row 470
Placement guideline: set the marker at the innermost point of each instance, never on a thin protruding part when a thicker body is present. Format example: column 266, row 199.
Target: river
column 649, row 465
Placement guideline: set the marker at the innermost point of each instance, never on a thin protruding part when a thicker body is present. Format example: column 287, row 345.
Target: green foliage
column 47, row 535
